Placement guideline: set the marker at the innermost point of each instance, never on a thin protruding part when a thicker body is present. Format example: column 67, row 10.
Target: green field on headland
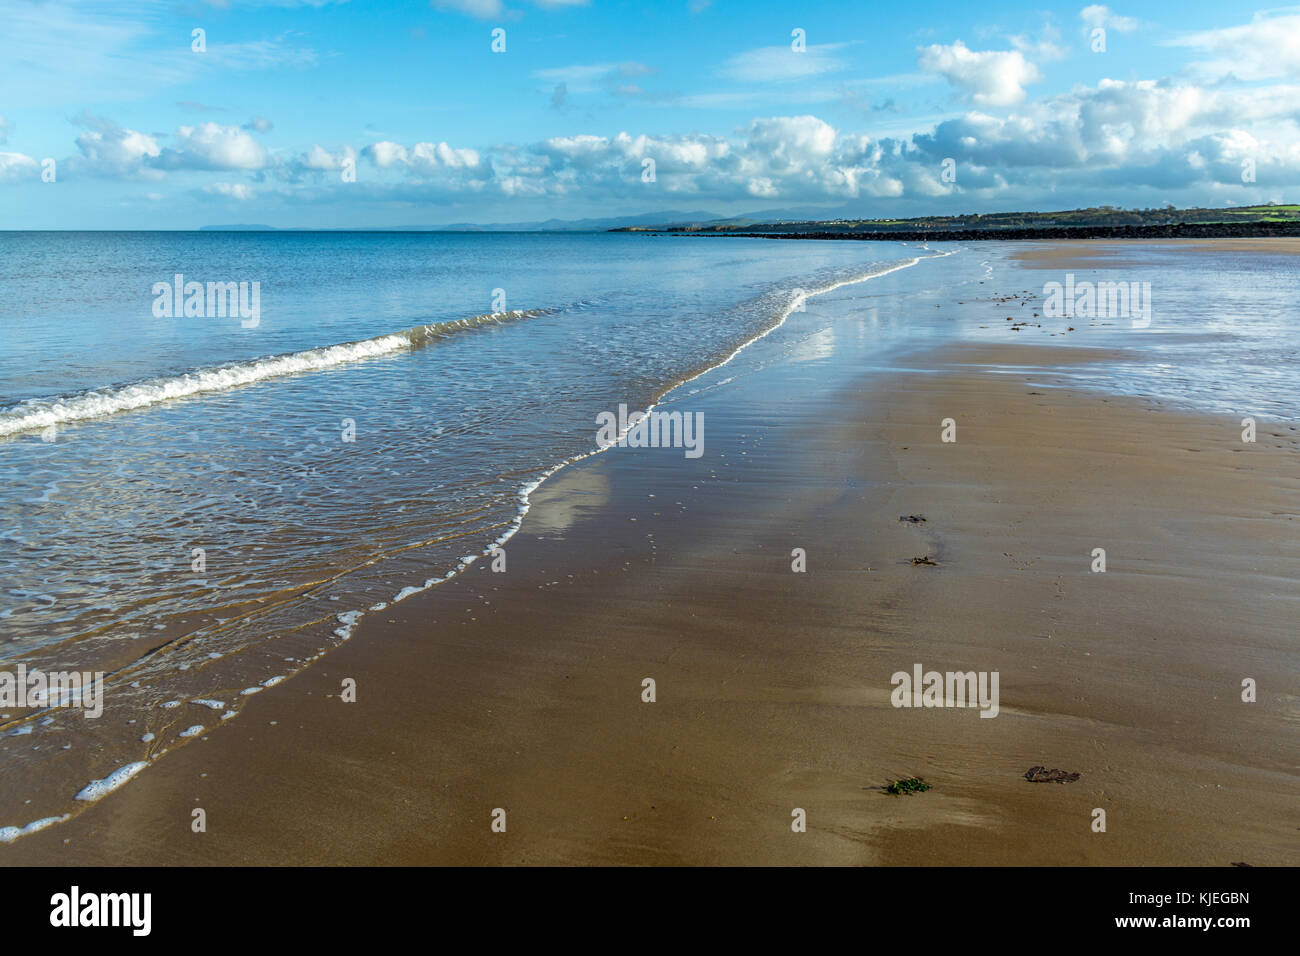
column 1098, row 222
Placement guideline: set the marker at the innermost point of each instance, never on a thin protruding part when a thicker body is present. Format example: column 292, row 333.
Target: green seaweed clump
column 910, row 785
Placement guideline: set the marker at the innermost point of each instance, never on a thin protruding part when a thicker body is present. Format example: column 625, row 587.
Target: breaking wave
column 40, row 413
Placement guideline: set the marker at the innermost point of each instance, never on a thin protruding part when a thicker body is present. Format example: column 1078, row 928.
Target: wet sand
column 1102, row 254
column 522, row 690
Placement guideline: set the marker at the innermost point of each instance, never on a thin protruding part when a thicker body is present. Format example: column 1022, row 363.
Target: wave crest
column 37, row 414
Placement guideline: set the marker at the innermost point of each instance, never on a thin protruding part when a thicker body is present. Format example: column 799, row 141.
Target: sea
column 221, row 451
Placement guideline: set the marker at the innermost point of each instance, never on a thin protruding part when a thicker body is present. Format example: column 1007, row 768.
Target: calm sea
column 199, row 505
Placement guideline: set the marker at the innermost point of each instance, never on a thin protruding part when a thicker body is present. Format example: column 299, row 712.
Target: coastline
column 522, row 690
column 1263, row 232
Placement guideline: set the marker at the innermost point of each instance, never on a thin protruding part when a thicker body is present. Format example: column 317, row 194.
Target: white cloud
column 486, row 9
column 384, row 154
column 213, row 146
column 991, row 77
column 592, row 78
column 439, row 167
column 776, row 63
column 107, row 149
column 475, row 8
column 1131, row 134
column 257, row 55
column 1117, row 135
column 110, row 150
column 1041, row 48
column 239, row 191
column 1100, row 15
column 56, row 52
column 793, row 139
column 422, row 159
column 320, row 159
column 1266, row 48
column 1112, row 139
column 14, row 166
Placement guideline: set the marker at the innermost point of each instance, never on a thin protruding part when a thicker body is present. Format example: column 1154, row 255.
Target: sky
column 149, row 114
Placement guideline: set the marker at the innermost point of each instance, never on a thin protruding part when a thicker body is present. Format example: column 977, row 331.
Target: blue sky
column 267, row 123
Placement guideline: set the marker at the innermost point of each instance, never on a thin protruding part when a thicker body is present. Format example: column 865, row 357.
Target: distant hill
column 573, row 225
column 799, row 221
column 1096, row 221
column 671, row 217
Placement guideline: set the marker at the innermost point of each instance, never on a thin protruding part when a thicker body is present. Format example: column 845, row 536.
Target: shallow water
column 239, row 520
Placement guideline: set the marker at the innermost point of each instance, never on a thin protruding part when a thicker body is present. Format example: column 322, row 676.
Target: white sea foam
column 349, row 621
column 39, row 413
column 9, row 834
column 100, row 788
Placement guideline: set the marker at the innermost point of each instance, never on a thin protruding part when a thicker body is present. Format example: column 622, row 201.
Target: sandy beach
column 523, row 690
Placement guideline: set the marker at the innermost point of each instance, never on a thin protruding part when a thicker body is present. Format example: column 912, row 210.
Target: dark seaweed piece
column 1043, row 775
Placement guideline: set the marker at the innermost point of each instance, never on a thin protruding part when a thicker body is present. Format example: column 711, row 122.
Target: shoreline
column 1214, row 231
column 350, row 620
column 522, row 691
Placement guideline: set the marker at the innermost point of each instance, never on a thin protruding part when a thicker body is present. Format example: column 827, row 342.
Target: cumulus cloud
column 213, row 146
column 990, row 77
column 258, row 124
column 438, row 166
column 315, row 162
column 782, row 156
column 111, row 150
column 319, row 158
column 1113, row 138
column 422, row 159
column 16, row 166
column 1139, row 133
column 107, row 149
column 1160, row 134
